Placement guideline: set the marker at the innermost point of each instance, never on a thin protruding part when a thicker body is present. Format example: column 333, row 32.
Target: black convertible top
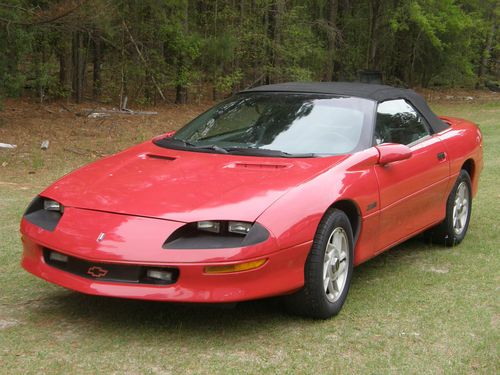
column 378, row 93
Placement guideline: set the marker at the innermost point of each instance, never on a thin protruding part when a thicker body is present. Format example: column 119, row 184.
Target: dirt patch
column 459, row 96
column 439, row 270
column 4, row 324
column 75, row 140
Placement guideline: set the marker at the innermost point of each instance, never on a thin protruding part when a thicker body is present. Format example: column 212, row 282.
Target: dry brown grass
column 74, row 139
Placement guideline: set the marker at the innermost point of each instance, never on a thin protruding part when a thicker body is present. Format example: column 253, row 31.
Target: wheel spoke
column 463, row 218
column 326, row 281
column 460, row 212
column 463, row 193
column 335, row 263
column 465, row 205
column 337, row 238
column 328, row 256
column 336, row 275
column 326, row 266
column 331, row 287
column 342, row 268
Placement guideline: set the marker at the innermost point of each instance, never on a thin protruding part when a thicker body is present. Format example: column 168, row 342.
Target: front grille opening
column 111, row 272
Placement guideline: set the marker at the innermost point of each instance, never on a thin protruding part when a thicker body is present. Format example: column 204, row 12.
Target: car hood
column 185, row 186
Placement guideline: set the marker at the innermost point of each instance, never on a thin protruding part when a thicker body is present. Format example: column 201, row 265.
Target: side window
column 399, row 122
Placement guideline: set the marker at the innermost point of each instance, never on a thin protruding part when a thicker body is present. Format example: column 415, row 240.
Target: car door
column 412, row 191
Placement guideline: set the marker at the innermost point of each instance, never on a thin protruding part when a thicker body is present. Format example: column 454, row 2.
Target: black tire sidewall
column 323, row 307
column 452, row 237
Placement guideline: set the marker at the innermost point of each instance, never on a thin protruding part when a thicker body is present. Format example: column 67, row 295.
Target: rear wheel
column 458, row 211
column 328, row 269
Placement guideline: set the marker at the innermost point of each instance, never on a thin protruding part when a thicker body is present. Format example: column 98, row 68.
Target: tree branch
column 44, row 21
column 17, row 7
column 141, row 56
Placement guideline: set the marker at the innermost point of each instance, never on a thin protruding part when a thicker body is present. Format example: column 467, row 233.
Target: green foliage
column 301, row 52
column 15, row 43
column 146, row 49
column 225, row 83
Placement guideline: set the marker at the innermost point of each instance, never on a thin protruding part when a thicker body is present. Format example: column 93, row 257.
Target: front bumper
column 282, row 273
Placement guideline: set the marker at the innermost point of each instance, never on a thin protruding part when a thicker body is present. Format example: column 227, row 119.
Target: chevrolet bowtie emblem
column 97, row 272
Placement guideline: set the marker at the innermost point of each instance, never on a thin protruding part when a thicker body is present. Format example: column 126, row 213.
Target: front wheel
column 328, row 269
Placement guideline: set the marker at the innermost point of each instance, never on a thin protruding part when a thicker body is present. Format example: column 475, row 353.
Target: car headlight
column 216, row 234
column 236, row 227
column 209, row 226
column 51, row 205
column 44, row 213
column 239, row 227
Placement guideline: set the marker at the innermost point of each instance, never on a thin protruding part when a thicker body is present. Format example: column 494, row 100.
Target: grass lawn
column 416, row 309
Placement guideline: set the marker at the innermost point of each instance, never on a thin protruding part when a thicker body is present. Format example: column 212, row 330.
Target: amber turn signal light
column 239, row 267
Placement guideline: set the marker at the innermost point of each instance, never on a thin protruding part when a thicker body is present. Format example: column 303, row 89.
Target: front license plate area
column 111, row 272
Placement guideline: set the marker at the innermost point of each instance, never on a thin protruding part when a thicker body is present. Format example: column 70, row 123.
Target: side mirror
column 391, row 152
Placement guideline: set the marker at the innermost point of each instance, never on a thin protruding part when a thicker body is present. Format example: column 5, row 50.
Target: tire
column 458, row 211
column 326, row 284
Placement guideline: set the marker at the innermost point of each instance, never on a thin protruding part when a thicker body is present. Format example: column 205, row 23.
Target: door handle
column 441, row 155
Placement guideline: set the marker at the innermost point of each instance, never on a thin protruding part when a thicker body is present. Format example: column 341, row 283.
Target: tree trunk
column 273, row 25
column 180, row 94
column 214, row 62
column 123, row 77
column 236, row 56
column 64, row 57
column 371, row 62
column 268, row 52
column 96, row 89
column 485, row 55
column 332, row 39
column 78, row 66
column 277, row 38
column 181, row 91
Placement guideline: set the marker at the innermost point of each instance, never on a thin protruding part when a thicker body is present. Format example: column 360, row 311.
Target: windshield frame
column 364, row 142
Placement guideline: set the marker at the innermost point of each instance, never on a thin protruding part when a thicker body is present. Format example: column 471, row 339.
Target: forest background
column 150, row 51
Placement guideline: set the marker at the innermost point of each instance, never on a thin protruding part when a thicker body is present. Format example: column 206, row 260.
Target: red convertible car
column 278, row 191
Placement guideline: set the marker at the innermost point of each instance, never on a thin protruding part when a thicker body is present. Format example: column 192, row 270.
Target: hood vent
column 160, row 157
column 258, row 166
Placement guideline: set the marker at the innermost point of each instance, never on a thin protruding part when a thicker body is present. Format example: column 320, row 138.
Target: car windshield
column 278, row 124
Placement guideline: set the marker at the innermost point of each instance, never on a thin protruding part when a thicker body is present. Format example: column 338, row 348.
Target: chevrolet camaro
column 277, row 191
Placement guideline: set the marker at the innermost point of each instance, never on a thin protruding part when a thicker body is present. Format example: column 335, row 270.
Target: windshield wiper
column 212, row 147
column 181, row 144
column 166, row 142
column 266, row 152
column 252, row 151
